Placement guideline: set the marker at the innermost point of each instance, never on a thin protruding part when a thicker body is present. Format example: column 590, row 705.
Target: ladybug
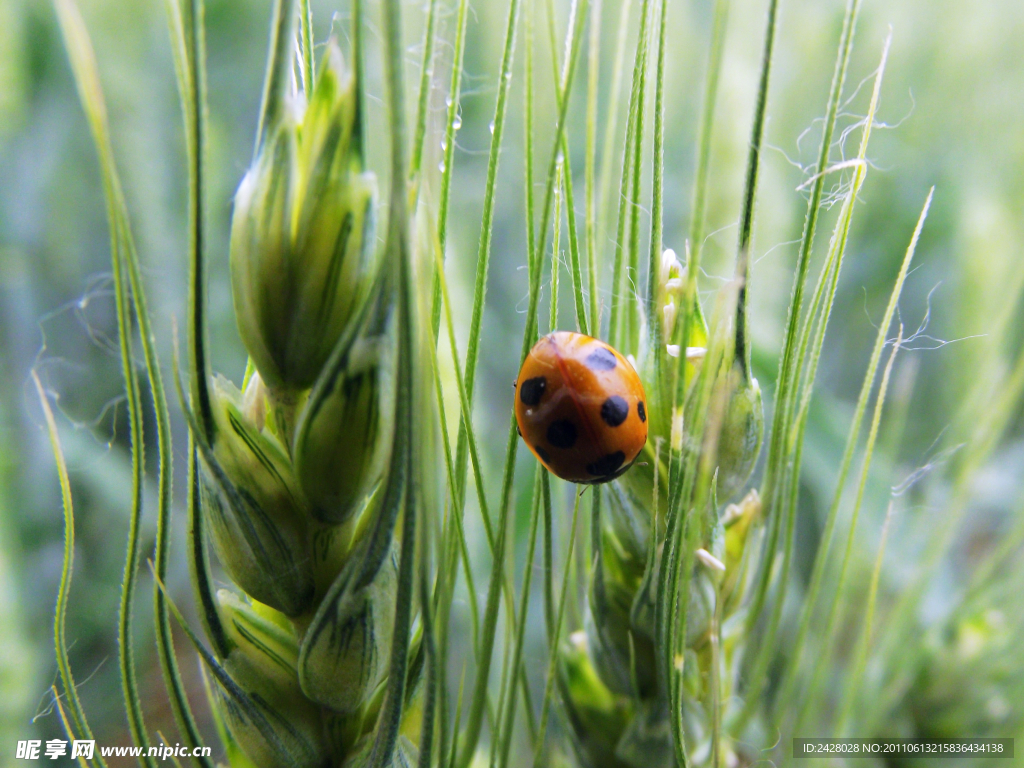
column 581, row 408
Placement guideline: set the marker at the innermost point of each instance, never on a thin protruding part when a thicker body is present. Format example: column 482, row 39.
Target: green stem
column 279, row 68
column 123, row 256
column 556, row 241
column 422, row 102
column 475, row 717
column 556, row 637
column 611, row 123
column 593, row 73
column 126, row 643
column 59, row 635
column 407, row 445
column 483, row 259
column 632, row 315
column 716, row 681
column 306, row 31
column 486, row 230
column 811, row 692
column 193, row 97
column 430, row 686
column 687, row 512
column 628, row 156
column 565, row 169
column 656, row 344
column 449, row 156
column 720, row 16
column 504, row 737
column 857, row 675
column 188, row 42
column 531, row 244
column 836, row 252
column 787, row 384
column 743, row 350
column 582, row 322
column 549, row 558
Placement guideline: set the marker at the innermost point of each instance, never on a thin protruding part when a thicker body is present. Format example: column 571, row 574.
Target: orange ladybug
column 580, row 408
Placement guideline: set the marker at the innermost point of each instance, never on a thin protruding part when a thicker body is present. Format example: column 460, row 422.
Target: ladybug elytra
column 581, row 408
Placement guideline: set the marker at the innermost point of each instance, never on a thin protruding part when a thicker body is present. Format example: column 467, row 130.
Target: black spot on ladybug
column 641, row 411
column 562, row 434
column 532, row 390
column 607, row 465
column 601, row 359
column 614, row 410
column 542, row 453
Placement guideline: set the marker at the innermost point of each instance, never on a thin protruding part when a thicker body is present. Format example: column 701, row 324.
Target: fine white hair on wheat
column 922, row 471
column 98, row 286
column 928, row 342
column 89, row 426
column 48, row 701
column 775, row 248
column 932, row 342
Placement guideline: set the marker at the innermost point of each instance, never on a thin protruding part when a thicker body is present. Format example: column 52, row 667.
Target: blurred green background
column 953, row 108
